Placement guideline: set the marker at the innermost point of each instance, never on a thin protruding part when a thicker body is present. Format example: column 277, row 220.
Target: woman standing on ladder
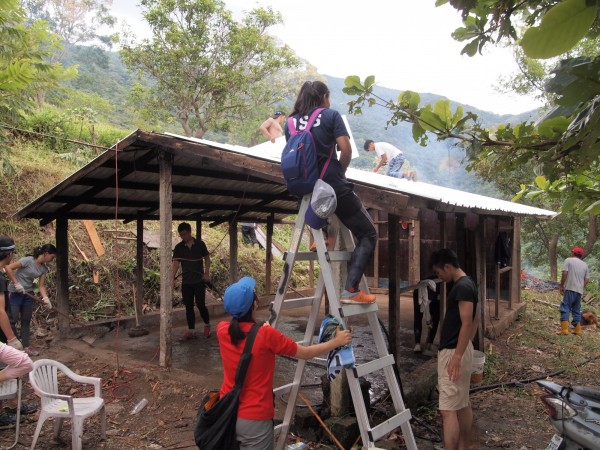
column 22, row 274
column 329, row 131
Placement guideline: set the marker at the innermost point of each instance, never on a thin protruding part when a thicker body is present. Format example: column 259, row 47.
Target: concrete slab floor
column 201, row 356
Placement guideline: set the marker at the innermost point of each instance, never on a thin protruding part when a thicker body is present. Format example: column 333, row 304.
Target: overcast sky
column 405, row 44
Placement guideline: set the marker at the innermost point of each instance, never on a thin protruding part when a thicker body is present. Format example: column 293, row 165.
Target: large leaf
column 562, row 27
column 552, row 128
column 409, row 100
column 575, row 80
column 431, row 121
column 442, row 109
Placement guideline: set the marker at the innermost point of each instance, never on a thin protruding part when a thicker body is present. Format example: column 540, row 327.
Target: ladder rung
column 373, row 366
column 354, row 310
column 307, row 256
column 389, row 425
column 297, row 302
column 283, row 389
column 339, row 256
column 331, row 256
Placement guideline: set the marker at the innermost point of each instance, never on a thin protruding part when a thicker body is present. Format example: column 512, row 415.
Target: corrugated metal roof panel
column 443, row 195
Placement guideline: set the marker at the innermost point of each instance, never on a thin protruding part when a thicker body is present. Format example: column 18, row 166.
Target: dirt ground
column 505, row 417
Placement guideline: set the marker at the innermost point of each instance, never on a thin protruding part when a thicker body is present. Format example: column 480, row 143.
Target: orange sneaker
column 357, row 297
column 328, row 244
column 189, row 335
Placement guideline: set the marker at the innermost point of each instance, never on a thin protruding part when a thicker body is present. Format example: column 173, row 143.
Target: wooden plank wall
column 460, row 235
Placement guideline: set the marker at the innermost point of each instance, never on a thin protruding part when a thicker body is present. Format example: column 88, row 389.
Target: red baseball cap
column 577, row 251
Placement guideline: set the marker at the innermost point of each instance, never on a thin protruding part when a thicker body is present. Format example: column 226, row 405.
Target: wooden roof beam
column 143, row 204
column 180, row 189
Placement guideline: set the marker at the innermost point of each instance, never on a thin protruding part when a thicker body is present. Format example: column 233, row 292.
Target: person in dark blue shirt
column 328, row 131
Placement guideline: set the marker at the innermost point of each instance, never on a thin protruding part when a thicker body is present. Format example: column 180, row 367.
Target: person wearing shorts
column 455, row 356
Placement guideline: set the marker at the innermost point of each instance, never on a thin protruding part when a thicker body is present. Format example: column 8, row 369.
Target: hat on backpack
column 239, row 296
column 322, row 205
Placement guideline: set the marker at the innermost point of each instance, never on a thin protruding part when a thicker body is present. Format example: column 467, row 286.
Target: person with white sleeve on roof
column 390, row 155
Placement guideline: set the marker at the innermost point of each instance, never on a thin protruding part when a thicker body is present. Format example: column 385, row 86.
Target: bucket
column 477, row 368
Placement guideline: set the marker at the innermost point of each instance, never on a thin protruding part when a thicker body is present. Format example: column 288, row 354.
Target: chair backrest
column 44, row 377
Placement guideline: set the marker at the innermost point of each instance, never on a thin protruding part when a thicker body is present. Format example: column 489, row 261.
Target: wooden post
column 481, row 264
column 269, row 254
column 376, row 252
column 443, row 244
column 199, row 230
column 414, row 253
column 394, row 284
column 139, row 269
column 233, row 253
column 62, row 274
column 497, row 299
column 165, row 194
column 515, row 274
column 461, row 244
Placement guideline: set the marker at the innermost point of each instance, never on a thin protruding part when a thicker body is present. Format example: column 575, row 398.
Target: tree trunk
column 552, row 244
column 592, row 236
column 40, row 98
column 186, row 127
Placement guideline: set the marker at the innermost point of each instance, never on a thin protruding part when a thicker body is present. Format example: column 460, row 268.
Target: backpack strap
column 246, row 356
column 327, row 163
column 311, row 120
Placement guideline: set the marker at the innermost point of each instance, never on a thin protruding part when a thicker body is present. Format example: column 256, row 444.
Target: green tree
column 24, row 68
column 285, row 83
column 75, row 21
column 205, row 68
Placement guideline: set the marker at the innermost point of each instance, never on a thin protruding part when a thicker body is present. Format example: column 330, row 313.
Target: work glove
column 19, row 288
column 47, row 302
column 15, row 343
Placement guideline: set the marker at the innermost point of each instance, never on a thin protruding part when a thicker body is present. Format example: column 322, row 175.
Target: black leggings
column 22, row 313
column 355, row 217
column 188, row 293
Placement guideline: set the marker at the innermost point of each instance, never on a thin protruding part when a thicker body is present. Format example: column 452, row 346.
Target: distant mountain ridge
column 440, row 162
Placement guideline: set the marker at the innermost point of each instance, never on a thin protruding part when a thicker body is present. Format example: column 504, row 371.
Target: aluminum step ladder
column 369, row 434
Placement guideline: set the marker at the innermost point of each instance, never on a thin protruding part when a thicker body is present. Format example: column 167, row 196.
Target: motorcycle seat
column 588, row 392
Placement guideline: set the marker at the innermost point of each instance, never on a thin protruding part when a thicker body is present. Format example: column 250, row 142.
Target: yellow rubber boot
column 564, row 327
column 577, row 330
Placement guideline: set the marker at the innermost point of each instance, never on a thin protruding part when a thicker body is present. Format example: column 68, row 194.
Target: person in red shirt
column 254, row 427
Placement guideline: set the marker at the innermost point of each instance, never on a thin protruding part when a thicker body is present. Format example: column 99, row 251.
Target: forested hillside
column 103, row 73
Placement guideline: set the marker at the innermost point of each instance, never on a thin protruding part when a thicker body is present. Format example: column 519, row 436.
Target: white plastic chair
column 44, row 381
column 11, row 389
